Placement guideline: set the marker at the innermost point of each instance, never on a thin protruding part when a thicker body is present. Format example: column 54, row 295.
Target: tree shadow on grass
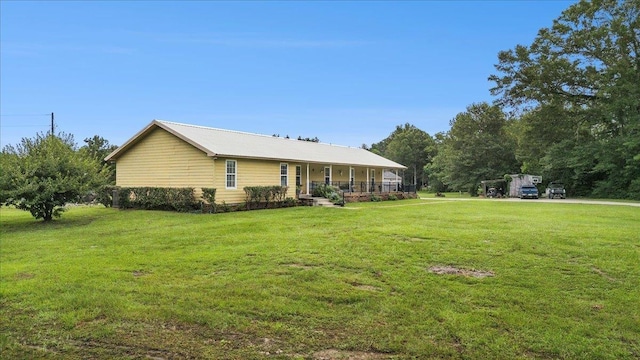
column 33, row 225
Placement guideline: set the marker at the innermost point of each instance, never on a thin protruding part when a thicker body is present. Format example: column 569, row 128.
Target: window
column 352, row 176
column 231, row 174
column 284, row 174
column 327, row 175
column 298, row 175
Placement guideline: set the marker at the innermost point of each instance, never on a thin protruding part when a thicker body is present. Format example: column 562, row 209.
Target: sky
column 345, row 72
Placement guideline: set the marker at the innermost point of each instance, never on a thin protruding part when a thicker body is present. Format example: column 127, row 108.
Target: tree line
column 567, row 107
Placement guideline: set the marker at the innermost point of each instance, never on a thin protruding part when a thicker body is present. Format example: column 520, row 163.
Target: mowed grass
column 320, row 283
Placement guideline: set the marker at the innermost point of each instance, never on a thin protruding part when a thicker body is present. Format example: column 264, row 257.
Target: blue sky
column 346, row 72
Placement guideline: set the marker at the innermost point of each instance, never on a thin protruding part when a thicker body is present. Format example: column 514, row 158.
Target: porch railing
column 374, row 187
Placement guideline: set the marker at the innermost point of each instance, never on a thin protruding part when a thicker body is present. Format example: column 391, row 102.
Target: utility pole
column 52, row 126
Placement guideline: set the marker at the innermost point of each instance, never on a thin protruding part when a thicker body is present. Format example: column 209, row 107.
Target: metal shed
column 518, row 180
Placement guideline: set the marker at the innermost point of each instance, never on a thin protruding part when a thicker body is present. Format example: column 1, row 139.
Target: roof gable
column 228, row 143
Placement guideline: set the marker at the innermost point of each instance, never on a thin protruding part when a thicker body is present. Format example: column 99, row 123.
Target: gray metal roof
column 228, row 143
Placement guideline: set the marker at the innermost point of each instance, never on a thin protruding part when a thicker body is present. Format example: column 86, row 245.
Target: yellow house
column 169, row 154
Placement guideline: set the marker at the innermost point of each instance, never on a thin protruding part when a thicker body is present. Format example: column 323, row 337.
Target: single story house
column 169, row 154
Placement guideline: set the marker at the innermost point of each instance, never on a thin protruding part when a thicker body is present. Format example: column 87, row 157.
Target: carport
column 499, row 184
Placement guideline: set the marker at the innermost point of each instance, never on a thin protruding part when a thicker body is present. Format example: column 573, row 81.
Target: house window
column 284, row 174
column 231, row 174
column 298, row 175
column 352, row 176
column 327, row 175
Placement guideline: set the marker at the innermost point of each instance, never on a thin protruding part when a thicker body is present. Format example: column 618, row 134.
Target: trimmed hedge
column 105, row 195
column 157, row 198
column 257, row 195
column 183, row 199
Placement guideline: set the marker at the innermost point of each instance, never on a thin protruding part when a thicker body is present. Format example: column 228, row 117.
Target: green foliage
column 43, row 174
column 157, row 198
column 329, row 192
column 477, row 147
column 224, row 207
column 375, row 198
column 408, row 146
column 97, row 148
column 104, row 195
column 289, row 202
column 392, row 197
column 257, row 195
column 323, row 190
column 576, row 87
column 209, row 195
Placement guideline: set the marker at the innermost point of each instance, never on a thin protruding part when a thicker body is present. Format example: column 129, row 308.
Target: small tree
column 97, row 148
column 43, row 174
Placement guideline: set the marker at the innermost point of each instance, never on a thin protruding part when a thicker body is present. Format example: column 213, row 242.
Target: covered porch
column 350, row 179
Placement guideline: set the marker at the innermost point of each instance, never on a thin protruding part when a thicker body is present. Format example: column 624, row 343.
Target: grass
column 312, row 283
column 458, row 194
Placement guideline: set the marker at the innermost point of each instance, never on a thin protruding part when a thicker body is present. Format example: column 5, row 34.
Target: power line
column 23, row 115
column 23, row 126
column 52, row 128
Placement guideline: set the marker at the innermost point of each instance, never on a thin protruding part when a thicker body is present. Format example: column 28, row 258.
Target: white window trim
column 227, row 173
column 299, row 174
column 287, row 174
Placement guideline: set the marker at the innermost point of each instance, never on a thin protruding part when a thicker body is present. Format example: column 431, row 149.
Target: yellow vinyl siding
column 250, row 172
column 160, row 159
column 340, row 173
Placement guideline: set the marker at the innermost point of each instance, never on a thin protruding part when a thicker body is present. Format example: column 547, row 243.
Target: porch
column 366, row 187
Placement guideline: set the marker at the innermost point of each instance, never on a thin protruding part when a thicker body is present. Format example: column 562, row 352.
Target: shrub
column 392, row 197
column 255, row 195
column 375, row 198
column 209, row 195
column 324, row 190
column 105, row 195
column 157, row 198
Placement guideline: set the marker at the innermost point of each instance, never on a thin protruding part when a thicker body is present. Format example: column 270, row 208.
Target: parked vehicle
column 528, row 192
column 556, row 190
column 494, row 193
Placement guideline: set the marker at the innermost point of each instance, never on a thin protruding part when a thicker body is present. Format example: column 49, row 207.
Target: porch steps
column 319, row 201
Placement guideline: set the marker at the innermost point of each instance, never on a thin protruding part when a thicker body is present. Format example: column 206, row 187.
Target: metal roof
column 236, row 144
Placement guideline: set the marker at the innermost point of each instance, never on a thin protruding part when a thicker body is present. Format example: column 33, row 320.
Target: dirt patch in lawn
column 366, row 287
column 452, row 270
column 333, row 354
column 603, row 274
column 24, row 276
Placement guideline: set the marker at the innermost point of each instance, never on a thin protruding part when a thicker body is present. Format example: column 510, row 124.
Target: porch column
column 368, row 181
column 352, row 178
column 330, row 174
column 308, row 183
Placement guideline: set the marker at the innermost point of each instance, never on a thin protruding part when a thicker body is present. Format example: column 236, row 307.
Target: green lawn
column 320, row 283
